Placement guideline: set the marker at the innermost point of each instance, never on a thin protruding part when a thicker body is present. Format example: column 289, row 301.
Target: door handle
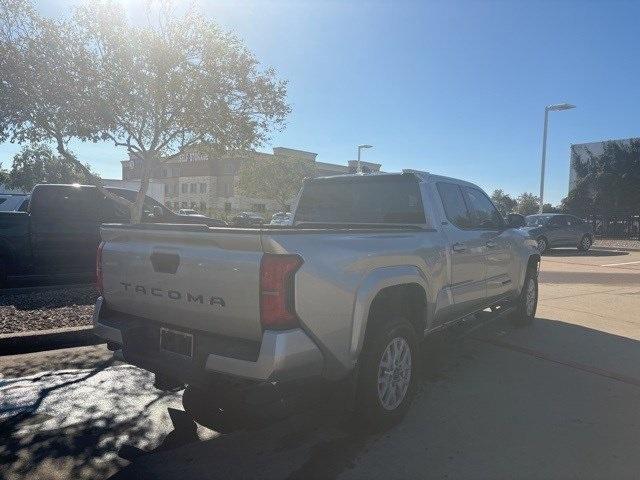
column 458, row 247
column 491, row 244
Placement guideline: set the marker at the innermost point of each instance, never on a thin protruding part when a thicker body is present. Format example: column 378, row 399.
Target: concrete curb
column 40, row 340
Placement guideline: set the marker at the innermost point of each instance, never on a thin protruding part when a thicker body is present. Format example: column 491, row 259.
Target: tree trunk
column 137, row 207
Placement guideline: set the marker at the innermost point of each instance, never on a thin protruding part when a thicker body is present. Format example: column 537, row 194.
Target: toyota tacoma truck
column 370, row 266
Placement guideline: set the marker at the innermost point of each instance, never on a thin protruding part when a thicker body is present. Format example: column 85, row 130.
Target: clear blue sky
column 455, row 88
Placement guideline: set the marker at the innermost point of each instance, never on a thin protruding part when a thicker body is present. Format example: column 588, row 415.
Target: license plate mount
column 176, row 342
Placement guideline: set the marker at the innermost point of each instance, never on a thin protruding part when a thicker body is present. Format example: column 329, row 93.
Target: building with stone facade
column 201, row 179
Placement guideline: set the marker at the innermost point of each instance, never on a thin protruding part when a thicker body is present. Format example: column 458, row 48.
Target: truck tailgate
column 190, row 277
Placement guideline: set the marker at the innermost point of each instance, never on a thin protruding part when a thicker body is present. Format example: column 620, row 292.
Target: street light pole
column 360, row 147
column 544, row 157
column 547, row 109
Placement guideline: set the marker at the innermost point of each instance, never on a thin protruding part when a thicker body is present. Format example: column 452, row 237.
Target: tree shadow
column 566, row 252
column 71, row 430
column 496, row 401
column 620, row 279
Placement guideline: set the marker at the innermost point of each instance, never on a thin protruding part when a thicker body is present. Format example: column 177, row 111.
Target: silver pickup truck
column 371, row 265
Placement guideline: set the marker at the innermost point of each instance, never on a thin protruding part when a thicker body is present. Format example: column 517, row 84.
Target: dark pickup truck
column 59, row 233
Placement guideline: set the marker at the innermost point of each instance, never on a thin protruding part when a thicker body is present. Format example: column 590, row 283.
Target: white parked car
column 190, row 212
column 282, row 218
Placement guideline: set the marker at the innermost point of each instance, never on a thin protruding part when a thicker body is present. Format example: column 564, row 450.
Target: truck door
column 466, row 248
column 64, row 228
column 569, row 233
column 486, row 220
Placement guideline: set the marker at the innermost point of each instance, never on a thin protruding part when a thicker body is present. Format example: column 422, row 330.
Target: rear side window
column 112, row 212
column 559, row 220
column 368, row 199
column 454, row 207
column 65, row 203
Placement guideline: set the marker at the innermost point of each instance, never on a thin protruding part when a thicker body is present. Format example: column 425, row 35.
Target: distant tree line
column 525, row 203
column 608, row 183
column 39, row 164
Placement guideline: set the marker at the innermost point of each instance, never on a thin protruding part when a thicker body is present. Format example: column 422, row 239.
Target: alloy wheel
column 394, row 373
column 531, row 296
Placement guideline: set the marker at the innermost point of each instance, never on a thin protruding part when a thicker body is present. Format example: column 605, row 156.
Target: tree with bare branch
column 177, row 81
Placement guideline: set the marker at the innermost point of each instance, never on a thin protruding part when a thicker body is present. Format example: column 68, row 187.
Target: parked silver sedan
column 558, row 230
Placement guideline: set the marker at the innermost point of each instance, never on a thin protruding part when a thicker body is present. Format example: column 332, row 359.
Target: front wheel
column 527, row 302
column 387, row 378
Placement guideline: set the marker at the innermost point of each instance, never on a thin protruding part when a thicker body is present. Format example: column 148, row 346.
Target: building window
column 203, row 207
column 258, row 207
column 192, row 188
column 185, row 187
column 167, row 190
column 183, row 204
column 203, row 188
column 228, row 167
column 227, row 207
column 163, row 173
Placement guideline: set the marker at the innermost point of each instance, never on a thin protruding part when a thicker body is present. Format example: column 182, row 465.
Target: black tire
column 371, row 412
column 3, row 274
column 524, row 314
column 543, row 245
column 585, row 243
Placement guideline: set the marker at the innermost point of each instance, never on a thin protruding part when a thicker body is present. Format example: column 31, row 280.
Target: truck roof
column 419, row 174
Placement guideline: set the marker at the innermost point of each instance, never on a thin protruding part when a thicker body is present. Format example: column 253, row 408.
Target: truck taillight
column 276, row 291
column 99, row 268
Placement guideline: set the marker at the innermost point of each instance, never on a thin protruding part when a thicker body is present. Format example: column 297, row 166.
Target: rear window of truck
column 391, row 199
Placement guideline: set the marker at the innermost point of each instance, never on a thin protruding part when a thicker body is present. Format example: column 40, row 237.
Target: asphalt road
column 558, row 399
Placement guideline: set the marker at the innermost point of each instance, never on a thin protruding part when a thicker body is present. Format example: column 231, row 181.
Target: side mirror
column 515, row 220
column 157, row 212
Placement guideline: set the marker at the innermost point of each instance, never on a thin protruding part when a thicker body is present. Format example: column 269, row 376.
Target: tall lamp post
column 360, row 147
column 547, row 109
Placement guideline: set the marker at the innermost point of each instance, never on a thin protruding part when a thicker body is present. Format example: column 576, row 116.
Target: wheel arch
column 390, row 284
column 533, row 262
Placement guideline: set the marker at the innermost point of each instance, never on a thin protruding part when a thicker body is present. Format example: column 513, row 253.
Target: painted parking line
column 623, row 263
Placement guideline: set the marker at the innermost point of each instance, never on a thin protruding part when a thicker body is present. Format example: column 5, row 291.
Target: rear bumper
column 282, row 355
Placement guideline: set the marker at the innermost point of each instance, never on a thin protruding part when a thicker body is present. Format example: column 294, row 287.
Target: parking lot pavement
column 71, row 422
column 557, row 399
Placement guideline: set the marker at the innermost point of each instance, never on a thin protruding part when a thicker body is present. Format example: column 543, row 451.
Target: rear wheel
column 527, row 302
column 543, row 244
column 387, row 378
column 585, row 243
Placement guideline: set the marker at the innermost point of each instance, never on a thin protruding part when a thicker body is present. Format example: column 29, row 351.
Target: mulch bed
column 43, row 310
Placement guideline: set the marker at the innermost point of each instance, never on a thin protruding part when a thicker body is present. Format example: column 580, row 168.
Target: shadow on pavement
column 551, row 400
column 566, row 252
column 604, row 277
column 70, row 430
